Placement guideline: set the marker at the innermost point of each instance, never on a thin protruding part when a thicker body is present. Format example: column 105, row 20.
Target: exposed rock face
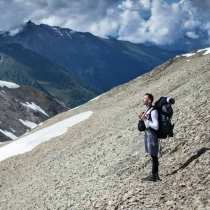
column 98, row 163
column 23, row 108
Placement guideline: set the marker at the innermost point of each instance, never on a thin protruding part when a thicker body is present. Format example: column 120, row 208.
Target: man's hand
column 143, row 117
column 139, row 115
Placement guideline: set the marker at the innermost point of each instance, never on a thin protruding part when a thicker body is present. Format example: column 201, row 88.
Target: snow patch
column 27, row 143
column 68, row 35
column 74, row 108
column 8, row 84
column 206, row 49
column 12, row 130
column 188, row 54
column 58, row 31
column 139, row 77
column 35, row 107
column 8, row 134
column 96, row 97
column 201, row 50
column 28, row 123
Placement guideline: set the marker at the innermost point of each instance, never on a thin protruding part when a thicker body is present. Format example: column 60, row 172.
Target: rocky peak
column 30, row 23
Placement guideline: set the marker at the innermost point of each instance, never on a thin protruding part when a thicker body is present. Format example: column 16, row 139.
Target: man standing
column 150, row 118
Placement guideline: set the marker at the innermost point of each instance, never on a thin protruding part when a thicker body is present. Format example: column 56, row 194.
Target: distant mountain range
column 102, row 63
column 186, row 43
column 26, row 67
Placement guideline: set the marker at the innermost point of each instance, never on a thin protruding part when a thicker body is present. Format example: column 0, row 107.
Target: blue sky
column 137, row 21
column 172, row 1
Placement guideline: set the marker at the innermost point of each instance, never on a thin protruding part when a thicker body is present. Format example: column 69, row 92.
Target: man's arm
column 154, row 121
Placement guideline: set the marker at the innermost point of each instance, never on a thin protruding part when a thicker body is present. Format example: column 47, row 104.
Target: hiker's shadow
column 199, row 153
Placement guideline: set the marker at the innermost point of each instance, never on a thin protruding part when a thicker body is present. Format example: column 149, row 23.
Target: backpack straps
column 152, row 130
column 150, row 109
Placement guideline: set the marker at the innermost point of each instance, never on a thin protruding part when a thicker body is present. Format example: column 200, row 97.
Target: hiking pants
column 152, row 148
column 151, row 144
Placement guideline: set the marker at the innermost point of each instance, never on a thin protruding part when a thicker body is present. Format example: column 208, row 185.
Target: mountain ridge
column 26, row 67
column 98, row 163
column 102, row 63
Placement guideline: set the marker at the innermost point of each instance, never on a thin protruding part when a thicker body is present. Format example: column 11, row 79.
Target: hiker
column 150, row 121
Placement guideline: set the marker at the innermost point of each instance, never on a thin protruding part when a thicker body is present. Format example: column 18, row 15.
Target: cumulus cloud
column 137, row 21
column 192, row 35
column 202, row 4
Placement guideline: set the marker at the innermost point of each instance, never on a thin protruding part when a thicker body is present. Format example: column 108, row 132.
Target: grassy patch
column 176, row 148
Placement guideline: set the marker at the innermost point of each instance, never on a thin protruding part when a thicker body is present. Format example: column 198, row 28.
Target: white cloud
column 207, row 28
column 133, row 20
column 192, row 35
column 191, row 24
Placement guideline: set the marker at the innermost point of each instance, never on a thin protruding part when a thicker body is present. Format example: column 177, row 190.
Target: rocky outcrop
column 22, row 108
column 98, row 163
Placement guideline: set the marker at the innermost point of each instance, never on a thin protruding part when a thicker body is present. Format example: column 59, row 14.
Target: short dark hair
column 150, row 96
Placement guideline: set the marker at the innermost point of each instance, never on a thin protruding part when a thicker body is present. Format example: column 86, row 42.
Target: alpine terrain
column 23, row 108
column 98, row 163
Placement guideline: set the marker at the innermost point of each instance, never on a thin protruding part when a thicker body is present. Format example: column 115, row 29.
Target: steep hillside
column 98, row 163
column 23, row 108
column 26, row 67
column 102, row 63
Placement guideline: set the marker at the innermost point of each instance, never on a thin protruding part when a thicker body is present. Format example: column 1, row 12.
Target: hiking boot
column 157, row 177
column 150, row 178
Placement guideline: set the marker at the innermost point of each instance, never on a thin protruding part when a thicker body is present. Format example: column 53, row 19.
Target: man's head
column 148, row 99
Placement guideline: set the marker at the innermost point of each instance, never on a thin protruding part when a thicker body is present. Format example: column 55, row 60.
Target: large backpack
column 165, row 113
